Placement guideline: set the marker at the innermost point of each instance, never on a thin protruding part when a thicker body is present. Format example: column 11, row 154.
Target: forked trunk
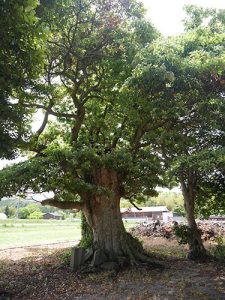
column 111, row 242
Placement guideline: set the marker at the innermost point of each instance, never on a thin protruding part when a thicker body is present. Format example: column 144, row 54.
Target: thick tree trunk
column 110, row 239
column 196, row 248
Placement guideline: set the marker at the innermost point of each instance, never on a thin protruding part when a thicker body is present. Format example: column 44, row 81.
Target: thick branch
column 43, row 125
column 63, row 204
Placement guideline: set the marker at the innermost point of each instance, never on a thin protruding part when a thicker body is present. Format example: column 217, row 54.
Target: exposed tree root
column 198, row 256
column 132, row 254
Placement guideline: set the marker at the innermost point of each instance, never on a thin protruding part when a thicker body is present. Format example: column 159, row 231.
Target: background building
column 150, row 213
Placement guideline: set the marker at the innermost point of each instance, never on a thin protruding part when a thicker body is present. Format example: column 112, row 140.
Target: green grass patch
column 32, row 232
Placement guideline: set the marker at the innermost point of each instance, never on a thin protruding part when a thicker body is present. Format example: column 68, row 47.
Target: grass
column 32, row 232
column 14, row 233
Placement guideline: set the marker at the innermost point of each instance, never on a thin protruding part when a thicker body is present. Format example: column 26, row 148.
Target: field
column 14, row 233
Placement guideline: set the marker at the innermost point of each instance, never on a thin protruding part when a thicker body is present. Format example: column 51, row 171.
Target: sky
column 167, row 16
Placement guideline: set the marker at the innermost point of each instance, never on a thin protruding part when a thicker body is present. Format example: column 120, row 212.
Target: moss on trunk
column 86, row 233
column 110, row 239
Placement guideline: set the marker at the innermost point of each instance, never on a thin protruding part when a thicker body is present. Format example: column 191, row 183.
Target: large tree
column 88, row 149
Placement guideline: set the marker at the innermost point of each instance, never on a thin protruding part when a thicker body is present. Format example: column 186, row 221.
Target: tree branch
column 138, row 208
column 63, row 204
column 131, row 201
column 50, row 111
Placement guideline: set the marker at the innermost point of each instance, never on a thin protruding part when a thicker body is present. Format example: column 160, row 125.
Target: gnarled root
column 131, row 254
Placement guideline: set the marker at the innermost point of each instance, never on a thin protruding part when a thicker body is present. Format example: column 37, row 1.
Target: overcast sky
column 167, row 16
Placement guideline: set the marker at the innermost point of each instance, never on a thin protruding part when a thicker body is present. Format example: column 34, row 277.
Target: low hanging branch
column 131, row 202
column 63, row 204
column 138, row 208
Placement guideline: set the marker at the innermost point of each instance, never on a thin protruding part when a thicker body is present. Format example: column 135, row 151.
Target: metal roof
column 145, row 209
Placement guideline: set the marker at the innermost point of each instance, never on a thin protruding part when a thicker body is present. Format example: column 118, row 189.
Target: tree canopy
column 191, row 97
column 93, row 125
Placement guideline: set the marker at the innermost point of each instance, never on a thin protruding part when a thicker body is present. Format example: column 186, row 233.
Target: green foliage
column 219, row 249
column 7, row 211
column 96, row 125
column 179, row 210
column 87, row 234
column 183, row 233
column 169, row 199
column 199, row 17
column 21, row 61
column 23, row 213
column 35, row 215
column 187, row 73
column 31, row 211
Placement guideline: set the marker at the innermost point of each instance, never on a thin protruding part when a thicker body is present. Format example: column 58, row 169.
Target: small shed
column 54, row 215
column 3, row 216
column 151, row 213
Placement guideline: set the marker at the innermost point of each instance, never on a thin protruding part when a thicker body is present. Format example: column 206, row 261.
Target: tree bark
column 196, row 248
column 102, row 212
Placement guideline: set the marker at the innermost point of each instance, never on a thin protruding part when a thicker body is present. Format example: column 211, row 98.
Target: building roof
column 145, row 209
column 55, row 214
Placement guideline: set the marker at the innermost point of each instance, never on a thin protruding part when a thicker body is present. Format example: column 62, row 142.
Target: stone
column 99, row 258
column 77, row 258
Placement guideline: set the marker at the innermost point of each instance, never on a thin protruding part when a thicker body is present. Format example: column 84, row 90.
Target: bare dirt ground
column 17, row 253
column 37, row 273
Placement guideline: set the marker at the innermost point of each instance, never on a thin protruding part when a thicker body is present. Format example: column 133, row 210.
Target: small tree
column 189, row 73
column 7, row 211
column 30, row 211
column 35, row 215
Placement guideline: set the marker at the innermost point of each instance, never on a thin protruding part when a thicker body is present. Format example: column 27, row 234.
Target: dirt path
column 42, row 277
column 18, row 253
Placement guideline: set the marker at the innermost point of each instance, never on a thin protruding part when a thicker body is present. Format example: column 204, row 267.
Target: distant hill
column 13, row 202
